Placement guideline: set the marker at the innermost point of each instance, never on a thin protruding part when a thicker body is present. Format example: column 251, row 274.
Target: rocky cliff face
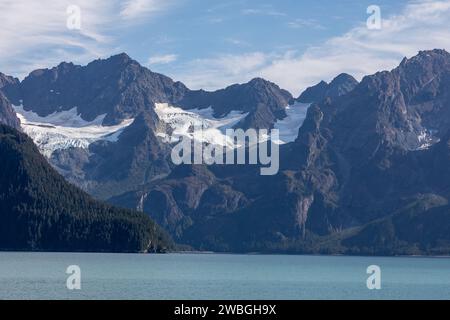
column 340, row 86
column 7, row 114
column 366, row 174
column 119, row 89
column 107, row 169
column 263, row 100
column 361, row 174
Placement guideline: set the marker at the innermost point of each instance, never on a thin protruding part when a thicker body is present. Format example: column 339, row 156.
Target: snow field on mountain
column 184, row 122
column 66, row 129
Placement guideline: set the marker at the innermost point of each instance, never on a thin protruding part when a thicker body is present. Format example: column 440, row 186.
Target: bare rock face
column 263, row 100
column 121, row 88
column 7, row 114
column 111, row 168
column 118, row 87
column 368, row 170
column 367, row 164
column 341, row 85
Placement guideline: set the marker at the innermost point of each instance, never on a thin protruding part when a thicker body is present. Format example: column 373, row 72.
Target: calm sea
column 213, row 276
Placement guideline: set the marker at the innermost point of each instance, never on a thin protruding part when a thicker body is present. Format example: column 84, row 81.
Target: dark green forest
column 40, row 211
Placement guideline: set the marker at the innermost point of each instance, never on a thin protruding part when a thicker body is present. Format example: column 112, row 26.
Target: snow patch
column 182, row 123
column 289, row 126
column 427, row 138
column 66, row 129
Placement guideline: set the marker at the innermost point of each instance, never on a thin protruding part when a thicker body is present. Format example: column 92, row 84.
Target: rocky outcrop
column 366, row 165
column 118, row 87
column 263, row 100
column 340, row 86
column 121, row 88
column 7, row 114
column 368, row 168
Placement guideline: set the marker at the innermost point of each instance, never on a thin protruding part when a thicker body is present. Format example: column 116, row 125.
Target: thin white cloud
column 34, row 34
column 421, row 25
column 237, row 42
column 133, row 9
column 162, row 59
column 305, row 23
column 222, row 70
column 265, row 10
column 214, row 20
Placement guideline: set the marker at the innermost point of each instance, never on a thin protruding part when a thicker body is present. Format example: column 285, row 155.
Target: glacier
column 66, row 129
column 182, row 122
column 289, row 126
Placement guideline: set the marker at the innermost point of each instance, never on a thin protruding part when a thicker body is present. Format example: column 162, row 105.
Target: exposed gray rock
column 340, row 86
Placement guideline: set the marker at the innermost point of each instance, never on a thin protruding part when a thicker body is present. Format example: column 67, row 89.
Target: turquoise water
column 212, row 276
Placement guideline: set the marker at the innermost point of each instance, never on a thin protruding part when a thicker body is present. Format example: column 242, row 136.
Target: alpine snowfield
column 66, row 129
column 180, row 123
column 289, row 126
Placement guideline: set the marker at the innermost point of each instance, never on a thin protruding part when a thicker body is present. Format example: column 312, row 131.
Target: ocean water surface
column 217, row 277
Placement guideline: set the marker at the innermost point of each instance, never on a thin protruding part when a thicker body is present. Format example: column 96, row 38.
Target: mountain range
column 363, row 167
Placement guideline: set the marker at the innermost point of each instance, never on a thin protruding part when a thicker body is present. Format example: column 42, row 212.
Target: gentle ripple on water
column 214, row 276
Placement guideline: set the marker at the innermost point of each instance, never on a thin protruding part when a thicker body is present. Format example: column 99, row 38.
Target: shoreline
column 227, row 253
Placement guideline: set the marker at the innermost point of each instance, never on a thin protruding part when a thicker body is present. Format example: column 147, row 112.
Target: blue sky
column 212, row 44
column 200, row 29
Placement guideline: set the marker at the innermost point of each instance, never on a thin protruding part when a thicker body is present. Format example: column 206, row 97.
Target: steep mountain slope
column 190, row 195
column 339, row 86
column 99, row 127
column 8, row 83
column 366, row 165
column 365, row 151
column 366, row 173
column 109, row 100
column 39, row 210
column 120, row 88
column 117, row 87
column 109, row 168
column 264, row 101
column 7, row 114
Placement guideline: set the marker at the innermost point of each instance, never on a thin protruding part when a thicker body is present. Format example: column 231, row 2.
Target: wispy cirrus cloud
column 134, row 9
column 264, row 10
column 421, row 25
column 34, row 34
column 221, row 70
column 237, row 42
column 305, row 23
column 162, row 59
